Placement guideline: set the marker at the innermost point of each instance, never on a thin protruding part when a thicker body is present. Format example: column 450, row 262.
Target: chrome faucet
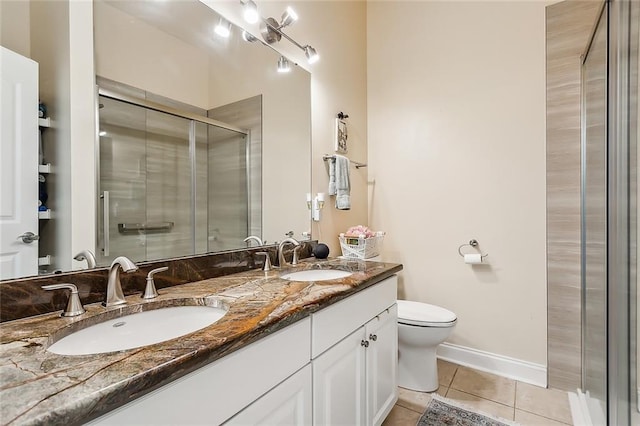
column 281, row 259
column 114, row 295
column 88, row 256
column 254, row 238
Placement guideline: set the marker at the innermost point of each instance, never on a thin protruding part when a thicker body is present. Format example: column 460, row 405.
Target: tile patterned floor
column 526, row 404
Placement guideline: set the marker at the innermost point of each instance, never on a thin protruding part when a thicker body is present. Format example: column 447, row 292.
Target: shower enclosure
column 609, row 217
column 171, row 183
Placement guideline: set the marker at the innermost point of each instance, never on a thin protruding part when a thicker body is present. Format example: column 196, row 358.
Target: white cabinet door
column 381, row 365
column 18, row 165
column 339, row 383
column 289, row 403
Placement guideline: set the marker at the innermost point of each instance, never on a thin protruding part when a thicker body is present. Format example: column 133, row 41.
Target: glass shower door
column 171, row 185
column 594, row 223
column 145, row 183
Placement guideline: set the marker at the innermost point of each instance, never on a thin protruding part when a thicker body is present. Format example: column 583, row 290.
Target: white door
column 18, row 164
column 339, row 383
column 289, row 404
column 382, row 365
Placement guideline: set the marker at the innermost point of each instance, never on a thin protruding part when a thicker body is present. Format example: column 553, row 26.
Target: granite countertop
column 39, row 387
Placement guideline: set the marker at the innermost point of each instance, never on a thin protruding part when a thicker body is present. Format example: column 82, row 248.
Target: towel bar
column 124, row 228
column 355, row 163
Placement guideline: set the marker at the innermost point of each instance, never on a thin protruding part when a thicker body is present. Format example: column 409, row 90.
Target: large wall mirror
column 201, row 142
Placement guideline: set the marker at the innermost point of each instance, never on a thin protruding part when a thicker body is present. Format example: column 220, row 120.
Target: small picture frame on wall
column 341, row 136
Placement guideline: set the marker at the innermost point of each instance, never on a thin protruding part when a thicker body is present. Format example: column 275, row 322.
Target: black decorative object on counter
column 321, row 251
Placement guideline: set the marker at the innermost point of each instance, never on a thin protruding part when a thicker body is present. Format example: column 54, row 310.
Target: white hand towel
column 343, row 186
column 332, row 177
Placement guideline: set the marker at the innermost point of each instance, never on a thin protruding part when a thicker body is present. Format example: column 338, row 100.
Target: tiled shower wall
column 245, row 114
column 569, row 26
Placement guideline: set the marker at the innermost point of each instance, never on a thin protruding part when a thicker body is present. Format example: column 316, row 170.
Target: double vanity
column 314, row 343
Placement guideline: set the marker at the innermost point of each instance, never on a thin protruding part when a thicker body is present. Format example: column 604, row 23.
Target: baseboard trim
column 524, row 371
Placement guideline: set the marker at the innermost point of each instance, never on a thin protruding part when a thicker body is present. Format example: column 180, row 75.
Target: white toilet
column 421, row 328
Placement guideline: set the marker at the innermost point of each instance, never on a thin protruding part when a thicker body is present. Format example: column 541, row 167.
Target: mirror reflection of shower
column 172, row 180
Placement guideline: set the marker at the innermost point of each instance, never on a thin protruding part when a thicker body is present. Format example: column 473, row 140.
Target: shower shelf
column 45, row 214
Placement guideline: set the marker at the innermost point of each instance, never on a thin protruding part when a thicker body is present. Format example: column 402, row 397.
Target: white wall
column 337, row 30
column 83, row 133
column 166, row 66
column 456, row 124
column 14, row 26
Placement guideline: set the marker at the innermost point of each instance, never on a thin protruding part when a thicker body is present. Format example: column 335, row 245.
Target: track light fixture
column 271, row 29
column 311, row 54
column 288, row 17
column 251, row 12
column 248, row 37
column 283, row 65
column 223, row 29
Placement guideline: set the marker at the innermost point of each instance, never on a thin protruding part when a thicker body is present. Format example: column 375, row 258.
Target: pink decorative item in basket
column 360, row 230
column 360, row 242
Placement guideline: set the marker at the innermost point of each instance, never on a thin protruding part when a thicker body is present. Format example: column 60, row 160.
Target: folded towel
column 332, row 177
column 343, row 186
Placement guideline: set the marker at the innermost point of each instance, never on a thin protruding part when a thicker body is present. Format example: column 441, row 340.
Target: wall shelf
column 44, row 122
column 45, row 214
column 44, row 168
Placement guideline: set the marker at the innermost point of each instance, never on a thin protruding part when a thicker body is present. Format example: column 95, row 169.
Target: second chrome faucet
column 114, row 295
column 281, row 260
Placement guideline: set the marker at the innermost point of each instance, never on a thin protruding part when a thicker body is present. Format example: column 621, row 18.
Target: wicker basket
column 361, row 248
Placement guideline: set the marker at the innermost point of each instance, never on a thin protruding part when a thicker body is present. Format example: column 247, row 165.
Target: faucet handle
column 267, row 261
column 295, row 259
column 150, row 291
column 74, row 305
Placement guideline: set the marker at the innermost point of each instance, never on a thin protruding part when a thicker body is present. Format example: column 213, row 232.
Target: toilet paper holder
column 472, row 243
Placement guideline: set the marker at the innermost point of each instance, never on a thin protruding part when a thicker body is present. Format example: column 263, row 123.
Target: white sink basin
column 137, row 330
column 316, row 275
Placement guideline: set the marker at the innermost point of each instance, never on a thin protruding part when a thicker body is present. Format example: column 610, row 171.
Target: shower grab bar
column 152, row 226
column 105, row 222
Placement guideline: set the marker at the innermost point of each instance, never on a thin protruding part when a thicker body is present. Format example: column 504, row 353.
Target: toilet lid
column 417, row 313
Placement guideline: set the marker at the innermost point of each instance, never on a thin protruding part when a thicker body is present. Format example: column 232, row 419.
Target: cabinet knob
column 364, row 343
column 373, row 337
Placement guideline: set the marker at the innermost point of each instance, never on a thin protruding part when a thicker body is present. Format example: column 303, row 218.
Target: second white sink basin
column 316, row 275
column 137, row 330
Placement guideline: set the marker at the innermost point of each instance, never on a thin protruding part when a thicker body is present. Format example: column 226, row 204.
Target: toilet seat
column 424, row 315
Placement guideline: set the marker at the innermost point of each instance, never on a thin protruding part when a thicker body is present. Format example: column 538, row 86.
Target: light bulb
column 311, row 54
column 288, row 17
column 283, row 65
column 223, row 29
column 251, row 12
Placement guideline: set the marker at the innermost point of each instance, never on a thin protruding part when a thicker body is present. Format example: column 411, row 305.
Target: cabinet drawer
column 334, row 323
